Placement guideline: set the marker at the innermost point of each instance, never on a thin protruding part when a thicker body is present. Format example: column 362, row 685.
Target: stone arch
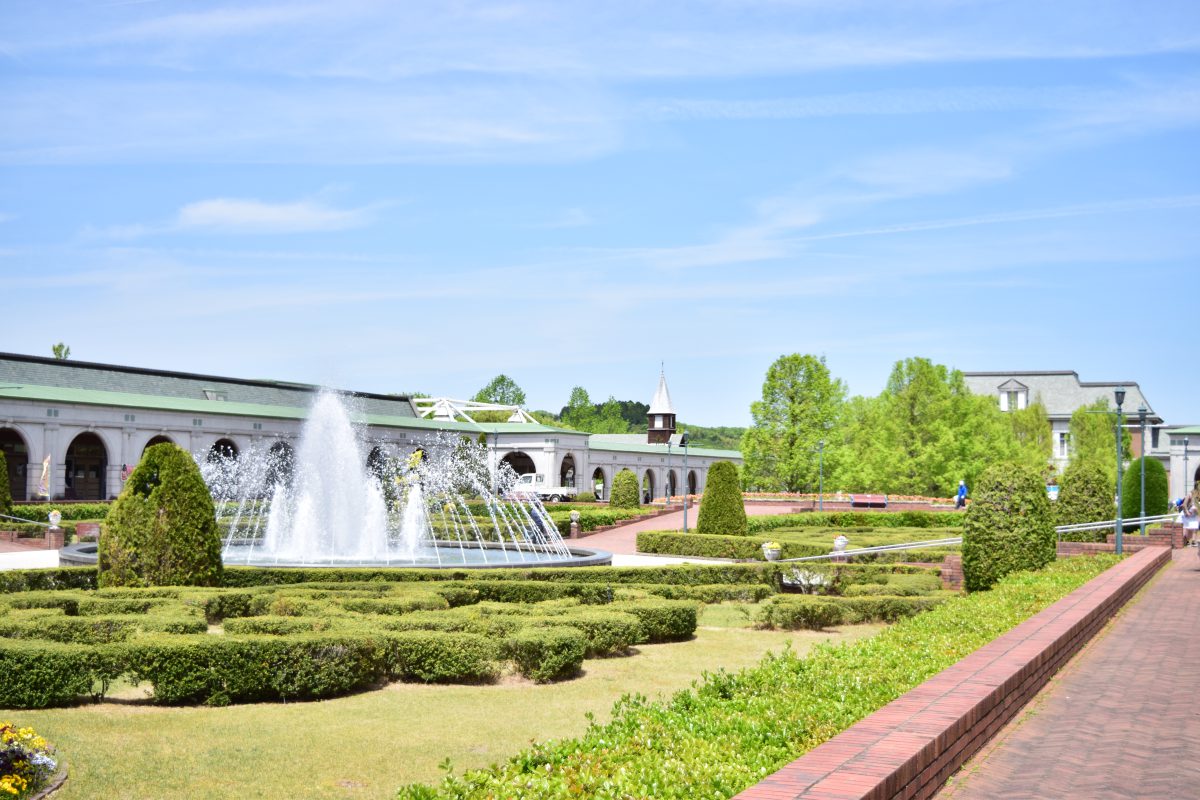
column 86, row 468
column 160, row 439
column 671, row 484
column 520, row 462
column 599, row 482
column 647, row 486
column 223, row 449
column 281, row 462
column 692, row 485
column 16, row 453
column 566, row 471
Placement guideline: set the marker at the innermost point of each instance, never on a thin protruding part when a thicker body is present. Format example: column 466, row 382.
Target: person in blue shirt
column 960, row 500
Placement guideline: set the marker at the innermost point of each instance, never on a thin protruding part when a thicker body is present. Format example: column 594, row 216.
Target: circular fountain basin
column 448, row 555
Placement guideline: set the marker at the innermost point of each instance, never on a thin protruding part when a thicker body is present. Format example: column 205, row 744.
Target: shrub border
column 912, row 745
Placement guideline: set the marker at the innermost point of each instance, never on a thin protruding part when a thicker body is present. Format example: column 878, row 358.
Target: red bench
column 868, row 501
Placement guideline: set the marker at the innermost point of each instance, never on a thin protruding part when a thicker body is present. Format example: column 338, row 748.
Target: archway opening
column 160, row 439
column 223, row 450
column 86, row 468
column 691, row 481
column 16, row 453
column 520, row 462
column 281, row 460
column 672, row 487
column 647, row 486
column 566, row 473
column 599, row 483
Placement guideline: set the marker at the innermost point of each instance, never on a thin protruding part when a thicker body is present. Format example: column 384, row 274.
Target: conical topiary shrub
column 162, row 530
column 1009, row 526
column 1158, row 497
column 625, row 491
column 721, row 508
column 1085, row 495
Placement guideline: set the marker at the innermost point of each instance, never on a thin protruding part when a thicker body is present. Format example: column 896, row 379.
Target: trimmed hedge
column 25, row 580
column 441, row 657
column 663, row 620
column 722, row 509
column 1158, row 499
column 815, row 613
column 547, row 654
column 39, row 674
column 162, row 529
column 625, row 492
column 73, row 512
column 700, row 545
column 1085, row 495
column 855, row 519
column 1009, row 526
column 734, row 728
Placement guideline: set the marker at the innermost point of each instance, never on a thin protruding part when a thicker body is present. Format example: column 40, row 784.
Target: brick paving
column 623, row 540
column 1122, row 720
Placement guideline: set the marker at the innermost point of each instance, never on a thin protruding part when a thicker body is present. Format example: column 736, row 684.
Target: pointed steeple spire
column 662, row 413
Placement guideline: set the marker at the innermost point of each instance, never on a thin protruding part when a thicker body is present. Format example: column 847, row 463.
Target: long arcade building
column 71, row 429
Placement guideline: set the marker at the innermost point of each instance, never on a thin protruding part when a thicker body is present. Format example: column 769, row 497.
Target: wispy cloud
column 226, row 215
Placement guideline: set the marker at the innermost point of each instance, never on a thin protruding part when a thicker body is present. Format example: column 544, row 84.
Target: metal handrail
column 27, row 521
column 883, row 548
column 1109, row 524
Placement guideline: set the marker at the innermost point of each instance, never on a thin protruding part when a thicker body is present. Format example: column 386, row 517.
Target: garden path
column 1122, row 719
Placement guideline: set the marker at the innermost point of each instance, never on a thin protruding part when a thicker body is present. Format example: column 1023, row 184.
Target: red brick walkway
column 1122, row 720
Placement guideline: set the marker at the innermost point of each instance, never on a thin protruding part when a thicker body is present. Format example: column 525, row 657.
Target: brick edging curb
column 908, row 748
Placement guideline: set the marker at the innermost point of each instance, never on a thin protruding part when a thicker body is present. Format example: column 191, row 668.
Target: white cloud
column 230, row 215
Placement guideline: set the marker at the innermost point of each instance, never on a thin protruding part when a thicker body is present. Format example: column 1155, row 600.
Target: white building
column 82, row 424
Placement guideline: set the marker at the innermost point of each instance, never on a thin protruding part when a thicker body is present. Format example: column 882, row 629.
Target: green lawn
column 367, row 745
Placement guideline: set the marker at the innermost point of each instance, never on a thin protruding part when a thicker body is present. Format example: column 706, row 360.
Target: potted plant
column 772, row 550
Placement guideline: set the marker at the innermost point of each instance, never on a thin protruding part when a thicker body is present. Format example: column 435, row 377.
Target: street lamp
column 1142, row 422
column 1186, row 488
column 668, row 481
column 821, row 475
column 683, row 441
column 1119, row 394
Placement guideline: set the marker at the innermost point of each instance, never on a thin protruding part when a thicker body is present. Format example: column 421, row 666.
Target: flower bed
column 27, row 762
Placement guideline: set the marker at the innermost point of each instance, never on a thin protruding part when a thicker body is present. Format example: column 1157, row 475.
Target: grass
column 367, row 745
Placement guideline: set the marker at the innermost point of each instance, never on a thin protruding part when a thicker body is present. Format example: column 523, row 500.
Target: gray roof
column 67, row 374
column 1060, row 392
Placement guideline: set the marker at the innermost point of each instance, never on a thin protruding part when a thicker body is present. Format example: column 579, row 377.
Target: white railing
column 883, row 548
column 1111, row 524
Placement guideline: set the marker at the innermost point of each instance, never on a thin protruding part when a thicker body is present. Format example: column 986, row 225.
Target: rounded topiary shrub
column 721, row 508
column 625, row 492
column 1085, row 495
column 5, row 489
column 1009, row 526
column 162, row 530
column 1158, row 497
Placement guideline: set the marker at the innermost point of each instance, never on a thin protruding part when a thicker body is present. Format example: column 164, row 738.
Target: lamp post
column 1142, row 422
column 1186, row 488
column 1119, row 394
column 683, row 441
column 821, row 475
column 668, row 480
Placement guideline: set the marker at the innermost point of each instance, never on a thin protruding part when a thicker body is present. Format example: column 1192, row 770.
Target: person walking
column 960, row 500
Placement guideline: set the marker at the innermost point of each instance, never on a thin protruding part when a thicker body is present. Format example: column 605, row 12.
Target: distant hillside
column 634, row 416
column 721, row 437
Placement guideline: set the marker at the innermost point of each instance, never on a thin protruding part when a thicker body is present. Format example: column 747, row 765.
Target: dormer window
column 213, row 394
column 1014, row 396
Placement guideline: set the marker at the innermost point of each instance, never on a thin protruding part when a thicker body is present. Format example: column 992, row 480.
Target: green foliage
column 40, row 674
column 27, row 580
column 795, row 612
column 1093, row 438
column 1085, row 494
column 856, row 519
column 734, row 728
column 61, row 351
column 438, row 657
column 547, row 654
column 662, row 620
column 701, row 545
column 1157, row 493
column 923, row 434
column 722, row 510
column 1009, row 526
column 800, row 403
column 585, row 497
column 1031, row 427
column 6, row 505
column 39, row 512
column 162, row 530
column 625, row 492
column 502, row 390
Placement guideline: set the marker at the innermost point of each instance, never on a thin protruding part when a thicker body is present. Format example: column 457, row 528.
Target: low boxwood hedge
column 545, row 654
column 735, row 728
column 702, row 545
column 851, row 519
column 817, row 612
column 40, row 512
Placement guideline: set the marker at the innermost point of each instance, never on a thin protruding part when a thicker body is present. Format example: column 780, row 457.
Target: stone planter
column 772, row 553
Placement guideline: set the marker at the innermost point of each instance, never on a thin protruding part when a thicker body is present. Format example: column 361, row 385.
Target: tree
column 1093, row 438
column 502, row 390
column 1085, row 494
column 609, row 418
column 61, row 351
column 722, row 510
column 162, row 529
column 625, row 492
column 922, row 435
column 1009, row 526
column 1031, row 427
column 800, row 402
column 579, row 412
column 5, row 488
column 1158, row 498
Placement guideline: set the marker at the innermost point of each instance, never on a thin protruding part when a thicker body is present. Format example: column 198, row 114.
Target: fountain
column 328, row 505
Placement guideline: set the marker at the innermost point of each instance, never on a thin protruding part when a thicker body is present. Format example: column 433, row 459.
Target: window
column 258, row 426
column 1064, row 444
column 213, row 394
column 196, row 423
column 1154, row 438
column 51, row 412
column 1013, row 402
column 130, row 418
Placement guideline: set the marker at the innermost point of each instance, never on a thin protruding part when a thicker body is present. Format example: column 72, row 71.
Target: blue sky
column 414, row 197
